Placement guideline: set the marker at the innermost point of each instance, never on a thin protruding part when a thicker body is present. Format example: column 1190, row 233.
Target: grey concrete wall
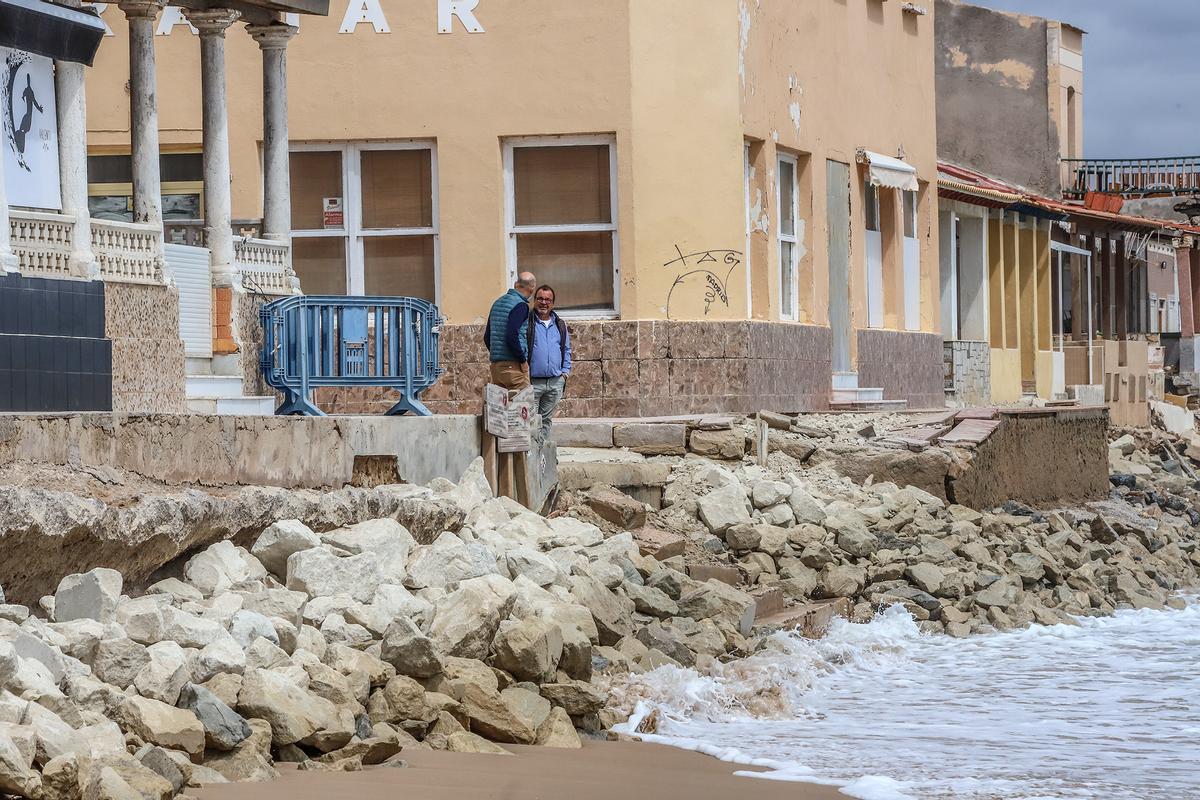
column 290, row 452
column 1155, row 208
column 993, row 107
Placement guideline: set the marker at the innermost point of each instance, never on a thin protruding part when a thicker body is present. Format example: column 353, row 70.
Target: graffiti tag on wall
column 703, row 273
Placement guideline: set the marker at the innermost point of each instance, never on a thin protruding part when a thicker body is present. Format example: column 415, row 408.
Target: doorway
column 837, row 209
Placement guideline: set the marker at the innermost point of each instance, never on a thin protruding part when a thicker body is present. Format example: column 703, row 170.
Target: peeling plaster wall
column 819, row 80
column 995, row 111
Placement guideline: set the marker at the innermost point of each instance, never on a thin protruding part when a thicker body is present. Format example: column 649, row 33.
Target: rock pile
column 816, row 535
column 339, row 650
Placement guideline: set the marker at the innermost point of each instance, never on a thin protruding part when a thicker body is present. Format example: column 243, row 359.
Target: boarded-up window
column 364, row 219
column 563, row 222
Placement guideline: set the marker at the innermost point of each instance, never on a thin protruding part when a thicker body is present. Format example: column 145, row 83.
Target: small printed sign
column 334, row 216
column 509, row 417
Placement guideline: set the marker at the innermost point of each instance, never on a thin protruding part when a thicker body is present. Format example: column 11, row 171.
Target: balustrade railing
column 265, row 265
column 42, row 242
column 1131, row 177
column 128, row 252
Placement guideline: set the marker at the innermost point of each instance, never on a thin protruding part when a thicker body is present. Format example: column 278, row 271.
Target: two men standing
column 529, row 348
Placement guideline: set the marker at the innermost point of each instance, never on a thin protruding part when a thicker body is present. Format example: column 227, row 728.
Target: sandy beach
column 626, row 770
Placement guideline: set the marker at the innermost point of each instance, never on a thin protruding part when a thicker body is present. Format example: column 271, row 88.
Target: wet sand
column 600, row 771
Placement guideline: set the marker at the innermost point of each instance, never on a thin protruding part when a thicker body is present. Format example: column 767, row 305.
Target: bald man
column 509, row 367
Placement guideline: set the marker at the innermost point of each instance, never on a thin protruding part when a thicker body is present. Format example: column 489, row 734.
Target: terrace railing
column 1131, row 177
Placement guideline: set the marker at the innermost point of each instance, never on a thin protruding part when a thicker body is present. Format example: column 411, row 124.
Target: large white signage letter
column 364, row 11
column 172, row 16
column 464, row 10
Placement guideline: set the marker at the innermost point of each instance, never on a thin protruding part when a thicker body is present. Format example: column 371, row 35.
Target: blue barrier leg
column 409, row 405
column 296, row 404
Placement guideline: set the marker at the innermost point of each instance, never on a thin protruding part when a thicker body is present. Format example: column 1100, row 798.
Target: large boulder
column 408, row 650
column 1001, row 594
column 806, row 508
column 512, row 716
column 611, row 612
column 90, row 595
column 165, row 674
column 390, row 541
column 320, row 573
column 222, row 566
column 558, row 731
column 250, row 760
column 719, row 602
column 224, row 728
column 447, row 561
column 118, row 661
column 465, row 620
column 163, row 725
column 577, row 698
column 277, row 543
column 724, row 507
column 528, row 649
column 142, row 618
column 926, row 577
column 292, row 713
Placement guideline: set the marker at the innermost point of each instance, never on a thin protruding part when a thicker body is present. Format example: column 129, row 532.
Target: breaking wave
column 1106, row 709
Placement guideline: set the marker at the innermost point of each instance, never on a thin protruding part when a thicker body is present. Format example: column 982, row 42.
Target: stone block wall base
column 643, row 369
column 907, row 365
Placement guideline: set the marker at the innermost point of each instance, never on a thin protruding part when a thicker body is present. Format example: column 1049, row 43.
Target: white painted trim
column 911, row 268
column 512, row 229
column 746, row 173
column 792, row 314
column 352, row 231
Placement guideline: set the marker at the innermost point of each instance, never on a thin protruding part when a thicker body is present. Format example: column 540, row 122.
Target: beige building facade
column 735, row 201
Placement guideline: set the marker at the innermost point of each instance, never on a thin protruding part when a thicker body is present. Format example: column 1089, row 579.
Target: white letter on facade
column 364, row 11
column 172, row 16
column 464, row 10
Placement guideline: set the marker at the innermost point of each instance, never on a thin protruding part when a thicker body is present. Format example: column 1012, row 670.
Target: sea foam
column 1109, row 708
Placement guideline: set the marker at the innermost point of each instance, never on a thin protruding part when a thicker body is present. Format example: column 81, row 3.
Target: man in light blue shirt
column 546, row 344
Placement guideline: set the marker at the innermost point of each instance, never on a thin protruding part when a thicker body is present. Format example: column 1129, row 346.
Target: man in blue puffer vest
column 510, row 366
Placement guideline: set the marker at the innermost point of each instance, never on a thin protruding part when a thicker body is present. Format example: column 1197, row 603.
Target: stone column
column 143, row 109
column 8, row 259
column 218, row 221
column 277, row 198
column 72, row 160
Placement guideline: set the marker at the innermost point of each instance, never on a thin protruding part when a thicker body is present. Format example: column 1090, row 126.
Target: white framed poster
column 30, row 137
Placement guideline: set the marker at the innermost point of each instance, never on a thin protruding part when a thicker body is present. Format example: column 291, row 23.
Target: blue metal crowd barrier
column 311, row 341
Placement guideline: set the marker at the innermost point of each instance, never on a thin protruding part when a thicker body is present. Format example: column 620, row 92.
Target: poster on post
column 30, row 140
column 508, row 417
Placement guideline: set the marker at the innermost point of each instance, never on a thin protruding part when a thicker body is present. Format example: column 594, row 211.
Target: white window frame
column 512, row 229
column 792, row 314
column 352, row 232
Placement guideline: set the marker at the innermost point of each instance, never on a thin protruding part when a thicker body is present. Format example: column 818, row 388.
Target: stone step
column 232, row 406
column 845, row 380
column 209, row 386
column 810, row 620
column 870, row 405
column 855, row 395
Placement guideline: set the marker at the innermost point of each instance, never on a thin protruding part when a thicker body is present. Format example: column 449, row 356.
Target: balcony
column 127, row 252
column 1131, row 177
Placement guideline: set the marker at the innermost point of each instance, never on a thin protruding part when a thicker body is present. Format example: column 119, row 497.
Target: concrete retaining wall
column 290, row 452
column 1041, row 457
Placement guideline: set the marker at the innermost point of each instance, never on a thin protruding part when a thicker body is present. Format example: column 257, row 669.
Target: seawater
column 1106, row 710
